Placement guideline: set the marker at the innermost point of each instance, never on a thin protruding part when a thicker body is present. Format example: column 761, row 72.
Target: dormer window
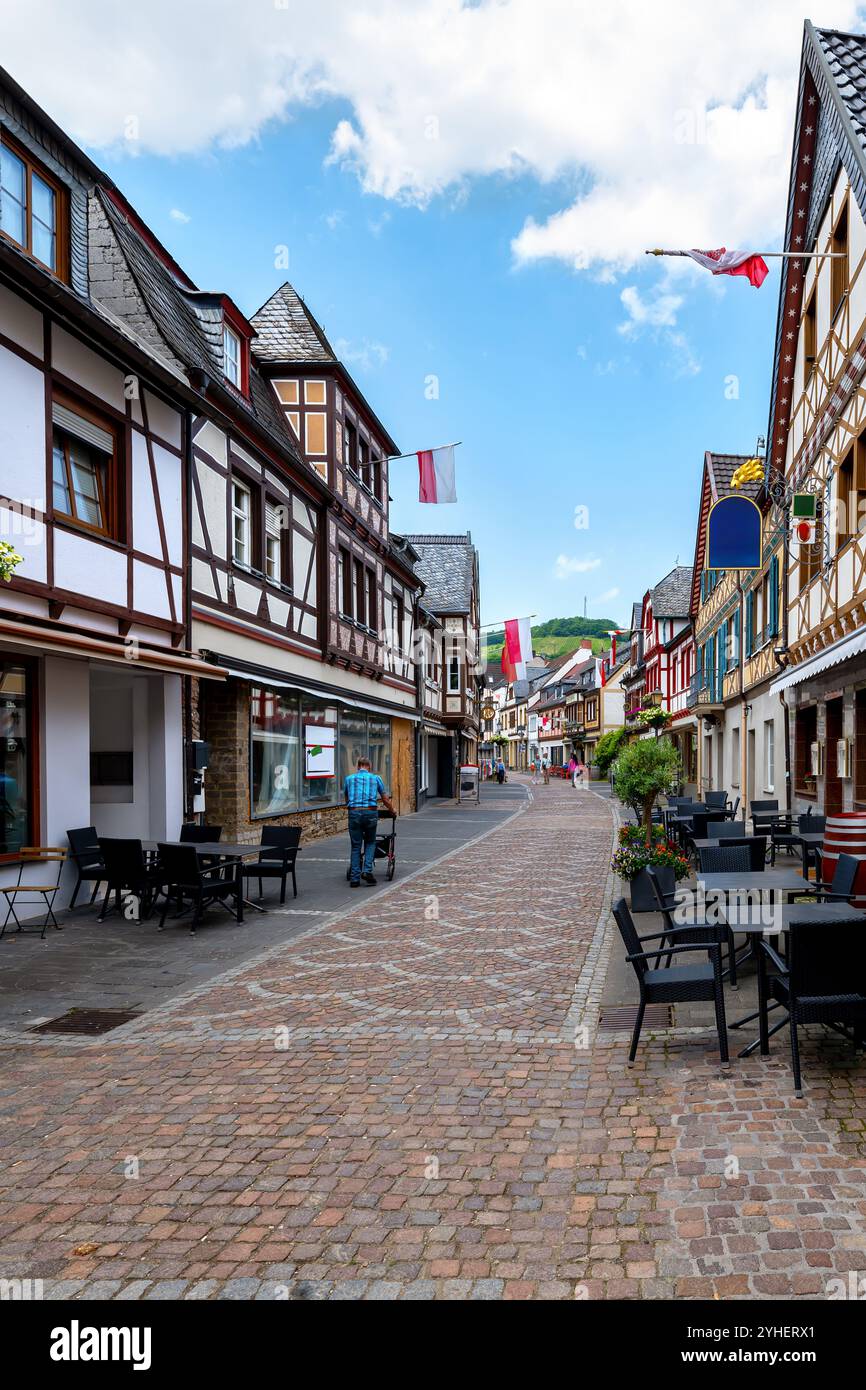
column 31, row 207
column 232, row 356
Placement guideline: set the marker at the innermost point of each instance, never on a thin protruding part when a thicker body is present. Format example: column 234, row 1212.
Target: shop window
column 16, row 752
column 805, row 738
column 379, row 748
column 33, row 207
column 275, row 753
column 85, row 467
column 320, row 724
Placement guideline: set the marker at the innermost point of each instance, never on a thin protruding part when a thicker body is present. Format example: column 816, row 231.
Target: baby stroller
column 386, row 843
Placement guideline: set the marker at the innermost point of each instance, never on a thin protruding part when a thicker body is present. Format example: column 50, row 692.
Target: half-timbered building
column 817, row 435
column 94, row 498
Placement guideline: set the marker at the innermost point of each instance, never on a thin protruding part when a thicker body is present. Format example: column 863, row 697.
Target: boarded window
column 287, row 392
column 315, row 432
column 314, row 392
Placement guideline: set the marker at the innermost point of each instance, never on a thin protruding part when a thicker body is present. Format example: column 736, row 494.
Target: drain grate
column 621, row 1020
column 88, row 1021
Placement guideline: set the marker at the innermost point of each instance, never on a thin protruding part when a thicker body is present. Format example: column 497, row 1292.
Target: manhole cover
column 90, row 1021
column 620, row 1020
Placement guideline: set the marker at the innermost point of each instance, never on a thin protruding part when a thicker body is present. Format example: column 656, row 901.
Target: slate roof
column 446, row 565
column 671, row 596
column 722, row 468
column 846, row 59
column 190, row 322
column 286, row 331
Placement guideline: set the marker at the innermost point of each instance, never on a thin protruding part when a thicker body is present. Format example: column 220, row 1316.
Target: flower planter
column 640, row 889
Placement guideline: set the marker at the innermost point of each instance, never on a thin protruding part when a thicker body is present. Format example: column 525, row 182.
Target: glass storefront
column 274, row 753
column 302, row 749
column 14, row 757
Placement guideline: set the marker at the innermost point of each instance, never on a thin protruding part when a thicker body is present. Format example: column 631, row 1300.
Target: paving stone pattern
column 392, row 1106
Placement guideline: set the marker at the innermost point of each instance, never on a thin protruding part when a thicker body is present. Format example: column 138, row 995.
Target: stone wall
column 223, row 717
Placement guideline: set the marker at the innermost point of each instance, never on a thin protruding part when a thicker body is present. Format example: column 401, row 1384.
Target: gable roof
column 286, row 331
column 670, row 597
column 447, row 566
column 190, row 323
column 829, row 133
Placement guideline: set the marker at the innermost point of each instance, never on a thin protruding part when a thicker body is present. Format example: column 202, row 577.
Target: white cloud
column 334, row 219
column 567, row 565
column 366, row 355
column 177, row 216
column 608, row 596
column 657, row 313
column 673, row 120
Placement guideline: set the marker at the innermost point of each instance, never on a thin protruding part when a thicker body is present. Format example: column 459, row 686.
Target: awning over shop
column 323, row 693
column 841, row 651
column 134, row 657
column 430, row 726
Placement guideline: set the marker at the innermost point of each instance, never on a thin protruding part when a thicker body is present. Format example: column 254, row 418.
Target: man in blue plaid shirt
column 362, row 790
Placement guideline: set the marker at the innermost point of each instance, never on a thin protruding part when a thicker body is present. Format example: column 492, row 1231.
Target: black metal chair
column 128, row 876
column 87, row 857
column 781, row 837
column 820, row 982
column 716, row 801
column 185, row 877
column 280, row 845
column 764, row 815
column 194, row 834
column 732, row 813
column 679, row 984
column 724, row 830
column 719, row 859
column 841, row 887
column 743, row 856
column 696, row 929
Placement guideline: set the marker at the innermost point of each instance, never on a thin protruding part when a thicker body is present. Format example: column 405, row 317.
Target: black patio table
column 786, row 917
column 218, row 849
column 755, row 880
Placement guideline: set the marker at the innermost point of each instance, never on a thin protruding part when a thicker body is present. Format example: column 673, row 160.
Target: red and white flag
column 518, row 648
column 724, row 262
column 436, row 475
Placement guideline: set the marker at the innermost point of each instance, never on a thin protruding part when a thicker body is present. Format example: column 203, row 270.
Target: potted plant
column 653, row 717
column 642, row 772
column 9, row 560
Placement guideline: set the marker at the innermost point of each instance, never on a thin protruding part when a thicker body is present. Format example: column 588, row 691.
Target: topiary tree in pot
column 643, row 771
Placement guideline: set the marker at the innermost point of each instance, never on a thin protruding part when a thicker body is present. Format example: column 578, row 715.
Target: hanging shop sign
column 733, row 535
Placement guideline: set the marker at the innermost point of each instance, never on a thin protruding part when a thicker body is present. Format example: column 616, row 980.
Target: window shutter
column 81, row 428
column 272, row 519
column 750, row 611
column 774, row 596
column 737, row 636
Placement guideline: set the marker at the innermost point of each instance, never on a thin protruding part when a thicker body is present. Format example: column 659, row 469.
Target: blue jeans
column 363, row 825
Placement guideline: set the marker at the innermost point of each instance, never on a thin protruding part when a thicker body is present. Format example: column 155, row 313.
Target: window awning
column 276, row 683
column 136, row 658
column 841, row 651
column 432, row 727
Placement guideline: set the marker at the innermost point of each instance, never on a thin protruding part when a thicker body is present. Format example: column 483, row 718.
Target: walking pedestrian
column 362, row 791
column 579, row 773
column 572, row 770
column 500, row 772
column 545, row 771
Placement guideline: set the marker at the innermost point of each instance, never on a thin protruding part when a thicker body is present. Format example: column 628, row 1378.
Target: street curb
column 585, row 1007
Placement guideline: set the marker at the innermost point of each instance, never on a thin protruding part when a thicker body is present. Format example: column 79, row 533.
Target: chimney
column 586, row 644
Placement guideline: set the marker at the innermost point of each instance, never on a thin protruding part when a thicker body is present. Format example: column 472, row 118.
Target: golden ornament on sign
column 752, row 471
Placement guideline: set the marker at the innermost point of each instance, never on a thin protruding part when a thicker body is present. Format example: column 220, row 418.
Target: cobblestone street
column 392, row 1105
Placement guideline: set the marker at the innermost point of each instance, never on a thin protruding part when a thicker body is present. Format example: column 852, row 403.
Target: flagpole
column 526, row 617
column 774, row 255
column 394, row 458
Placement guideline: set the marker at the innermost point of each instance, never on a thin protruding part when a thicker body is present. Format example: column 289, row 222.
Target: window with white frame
column 241, row 524
column 232, row 356
column 454, row 672
column 770, row 755
column 273, row 544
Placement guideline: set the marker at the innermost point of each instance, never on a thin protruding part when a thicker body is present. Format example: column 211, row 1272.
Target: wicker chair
column 680, row 984
column 820, row 982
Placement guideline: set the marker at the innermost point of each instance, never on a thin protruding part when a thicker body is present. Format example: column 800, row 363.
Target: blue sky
column 555, row 407
column 464, row 198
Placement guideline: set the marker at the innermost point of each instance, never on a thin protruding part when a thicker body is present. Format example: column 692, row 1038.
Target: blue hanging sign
column 733, row 535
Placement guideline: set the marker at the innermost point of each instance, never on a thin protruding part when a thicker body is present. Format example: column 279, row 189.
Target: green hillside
column 558, row 636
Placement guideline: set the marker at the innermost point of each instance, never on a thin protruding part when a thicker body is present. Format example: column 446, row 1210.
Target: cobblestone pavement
column 392, row 1105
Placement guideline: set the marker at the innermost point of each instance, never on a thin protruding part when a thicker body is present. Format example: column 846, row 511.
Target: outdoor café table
column 708, row 844
column 219, row 849
column 785, row 918
column 808, row 840
column 750, row 882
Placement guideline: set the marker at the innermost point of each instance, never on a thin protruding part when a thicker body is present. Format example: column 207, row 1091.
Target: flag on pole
column 724, row 262
column 518, row 648
column 436, row 475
